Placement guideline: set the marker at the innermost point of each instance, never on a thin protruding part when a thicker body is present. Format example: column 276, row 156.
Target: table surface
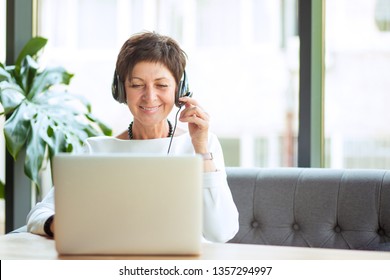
column 30, row 246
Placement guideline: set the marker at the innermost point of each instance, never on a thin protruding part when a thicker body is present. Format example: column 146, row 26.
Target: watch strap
column 47, row 226
column 207, row 156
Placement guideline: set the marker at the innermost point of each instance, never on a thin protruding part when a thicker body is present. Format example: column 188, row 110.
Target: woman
column 150, row 78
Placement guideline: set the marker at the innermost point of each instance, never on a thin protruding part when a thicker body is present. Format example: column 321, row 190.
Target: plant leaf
column 48, row 78
column 31, row 48
column 41, row 113
column 59, row 103
column 53, row 136
column 4, row 75
column 35, row 150
column 28, row 73
column 84, row 101
column 16, row 129
column 104, row 128
column 57, row 141
column 11, row 95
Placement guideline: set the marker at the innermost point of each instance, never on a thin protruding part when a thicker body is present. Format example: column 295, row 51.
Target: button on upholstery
column 381, row 232
column 337, row 229
column 296, row 227
column 255, row 224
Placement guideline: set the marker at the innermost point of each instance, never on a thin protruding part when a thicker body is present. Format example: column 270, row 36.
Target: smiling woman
column 150, row 85
column 149, row 68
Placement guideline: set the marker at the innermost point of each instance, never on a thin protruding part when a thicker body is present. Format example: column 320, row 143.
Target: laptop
column 126, row 204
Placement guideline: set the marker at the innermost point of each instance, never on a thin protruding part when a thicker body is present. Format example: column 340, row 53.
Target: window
column 2, row 141
column 2, row 30
column 357, row 84
column 243, row 63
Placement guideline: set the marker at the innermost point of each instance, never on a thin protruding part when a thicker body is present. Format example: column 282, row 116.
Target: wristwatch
column 207, row 156
column 47, row 226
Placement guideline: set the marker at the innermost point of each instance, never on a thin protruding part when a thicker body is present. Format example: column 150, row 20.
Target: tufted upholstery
column 312, row 207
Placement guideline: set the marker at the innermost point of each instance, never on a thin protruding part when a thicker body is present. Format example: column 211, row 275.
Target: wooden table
column 29, row 246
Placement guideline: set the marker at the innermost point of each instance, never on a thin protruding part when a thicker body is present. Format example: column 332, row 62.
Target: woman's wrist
column 208, row 162
column 200, row 147
column 209, row 166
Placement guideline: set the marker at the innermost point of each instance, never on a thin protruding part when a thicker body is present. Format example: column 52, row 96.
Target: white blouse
column 220, row 215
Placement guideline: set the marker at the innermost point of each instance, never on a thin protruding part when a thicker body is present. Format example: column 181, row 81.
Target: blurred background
column 243, row 67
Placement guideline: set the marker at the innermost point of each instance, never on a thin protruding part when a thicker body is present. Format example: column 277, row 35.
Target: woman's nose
column 150, row 93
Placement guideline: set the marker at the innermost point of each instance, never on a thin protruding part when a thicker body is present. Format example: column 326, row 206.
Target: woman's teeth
column 150, row 108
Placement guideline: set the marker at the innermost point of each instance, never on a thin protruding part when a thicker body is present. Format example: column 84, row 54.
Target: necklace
column 130, row 130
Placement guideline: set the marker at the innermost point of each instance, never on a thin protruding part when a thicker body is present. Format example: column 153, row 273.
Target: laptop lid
column 127, row 204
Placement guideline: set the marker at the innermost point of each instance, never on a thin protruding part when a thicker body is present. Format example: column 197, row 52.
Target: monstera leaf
column 41, row 115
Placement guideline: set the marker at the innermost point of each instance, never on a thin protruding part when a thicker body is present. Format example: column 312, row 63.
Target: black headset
column 119, row 93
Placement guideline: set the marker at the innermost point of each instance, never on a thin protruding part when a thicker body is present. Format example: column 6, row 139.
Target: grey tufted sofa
column 323, row 208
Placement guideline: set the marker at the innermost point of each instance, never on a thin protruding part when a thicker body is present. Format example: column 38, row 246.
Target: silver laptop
column 120, row 204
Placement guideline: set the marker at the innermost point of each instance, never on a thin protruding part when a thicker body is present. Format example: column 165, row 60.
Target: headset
column 119, row 93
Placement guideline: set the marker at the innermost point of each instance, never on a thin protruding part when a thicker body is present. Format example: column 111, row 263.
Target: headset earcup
column 182, row 90
column 178, row 94
column 121, row 93
column 114, row 87
column 118, row 91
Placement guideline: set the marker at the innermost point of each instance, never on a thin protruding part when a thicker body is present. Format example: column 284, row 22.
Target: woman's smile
column 150, row 109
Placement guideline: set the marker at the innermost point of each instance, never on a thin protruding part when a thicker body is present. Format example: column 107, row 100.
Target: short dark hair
column 151, row 47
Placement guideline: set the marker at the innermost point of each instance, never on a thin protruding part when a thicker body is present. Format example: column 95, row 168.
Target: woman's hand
column 198, row 123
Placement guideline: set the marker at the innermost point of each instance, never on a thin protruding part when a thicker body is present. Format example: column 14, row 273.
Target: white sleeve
column 38, row 215
column 220, row 215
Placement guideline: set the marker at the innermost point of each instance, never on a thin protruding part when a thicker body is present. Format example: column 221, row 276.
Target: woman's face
column 150, row 92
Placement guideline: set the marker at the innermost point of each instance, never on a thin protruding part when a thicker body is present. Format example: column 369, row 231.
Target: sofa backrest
column 312, row 207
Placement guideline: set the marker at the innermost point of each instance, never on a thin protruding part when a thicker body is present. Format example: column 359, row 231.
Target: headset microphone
column 183, row 91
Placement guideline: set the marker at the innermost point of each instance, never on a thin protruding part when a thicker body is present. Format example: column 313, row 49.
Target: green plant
column 42, row 117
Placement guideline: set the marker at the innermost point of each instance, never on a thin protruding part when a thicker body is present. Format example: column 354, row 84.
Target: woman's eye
column 136, row 85
column 162, row 85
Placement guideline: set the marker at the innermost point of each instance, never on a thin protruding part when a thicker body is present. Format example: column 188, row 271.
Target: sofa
column 312, row 207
